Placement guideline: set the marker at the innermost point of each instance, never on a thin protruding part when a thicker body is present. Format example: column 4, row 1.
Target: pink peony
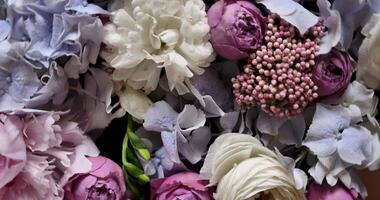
column 105, row 181
column 327, row 192
column 40, row 152
column 12, row 148
column 237, row 28
column 185, row 186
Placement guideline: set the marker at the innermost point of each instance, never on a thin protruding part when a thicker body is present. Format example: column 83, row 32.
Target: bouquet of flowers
column 188, row 99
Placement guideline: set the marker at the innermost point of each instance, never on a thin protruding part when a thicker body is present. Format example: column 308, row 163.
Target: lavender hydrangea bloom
column 182, row 133
column 18, row 82
column 53, row 30
column 334, row 130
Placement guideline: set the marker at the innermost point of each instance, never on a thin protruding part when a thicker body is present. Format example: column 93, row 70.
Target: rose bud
column 185, row 186
column 237, row 28
column 104, row 181
column 332, row 73
column 327, row 192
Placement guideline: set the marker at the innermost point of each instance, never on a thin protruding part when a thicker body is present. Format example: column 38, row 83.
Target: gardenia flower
column 237, row 28
column 244, row 169
column 146, row 36
column 369, row 60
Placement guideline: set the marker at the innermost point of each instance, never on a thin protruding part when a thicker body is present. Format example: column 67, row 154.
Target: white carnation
column 148, row 35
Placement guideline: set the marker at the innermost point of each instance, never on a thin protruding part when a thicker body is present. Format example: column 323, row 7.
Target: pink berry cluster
column 278, row 75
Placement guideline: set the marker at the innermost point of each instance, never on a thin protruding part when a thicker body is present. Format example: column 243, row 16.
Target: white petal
column 292, row 12
column 332, row 21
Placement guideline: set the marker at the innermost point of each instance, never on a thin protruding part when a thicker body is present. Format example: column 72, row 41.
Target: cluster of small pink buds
column 278, row 75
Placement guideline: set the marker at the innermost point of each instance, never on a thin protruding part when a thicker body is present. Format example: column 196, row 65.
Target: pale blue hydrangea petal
column 196, row 147
column 322, row 136
column 160, row 117
column 354, row 146
column 169, row 139
column 56, row 89
column 4, row 30
column 82, row 6
column 55, row 31
column 229, row 121
column 190, row 119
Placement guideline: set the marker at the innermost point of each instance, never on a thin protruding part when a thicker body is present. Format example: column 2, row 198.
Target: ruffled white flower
column 369, row 61
column 244, row 169
column 148, row 35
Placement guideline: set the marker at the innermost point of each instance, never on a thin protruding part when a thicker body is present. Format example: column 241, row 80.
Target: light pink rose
column 12, row 148
column 185, row 186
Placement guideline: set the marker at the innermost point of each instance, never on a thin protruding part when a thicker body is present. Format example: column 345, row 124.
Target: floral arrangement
column 188, row 99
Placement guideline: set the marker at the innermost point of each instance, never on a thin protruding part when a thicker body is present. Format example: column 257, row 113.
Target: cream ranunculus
column 369, row 59
column 243, row 169
column 145, row 36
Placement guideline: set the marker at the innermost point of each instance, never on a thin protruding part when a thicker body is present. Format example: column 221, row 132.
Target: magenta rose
column 105, row 181
column 327, row 192
column 332, row 73
column 237, row 28
column 184, row 186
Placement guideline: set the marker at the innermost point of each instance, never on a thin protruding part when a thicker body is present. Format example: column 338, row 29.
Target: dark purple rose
column 332, row 73
column 105, row 181
column 327, row 192
column 237, row 28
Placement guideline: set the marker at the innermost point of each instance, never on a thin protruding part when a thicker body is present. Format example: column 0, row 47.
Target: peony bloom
column 52, row 150
column 369, row 60
column 104, row 181
column 237, row 28
column 184, row 186
column 326, row 192
column 332, row 73
column 146, row 36
column 12, row 148
column 244, row 169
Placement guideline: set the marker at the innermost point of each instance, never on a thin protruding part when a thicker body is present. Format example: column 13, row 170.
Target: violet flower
column 237, row 28
column 332, row 73
column 104, row 181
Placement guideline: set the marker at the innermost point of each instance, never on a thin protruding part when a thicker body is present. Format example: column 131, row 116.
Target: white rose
column 369, row 59
column 242, row 168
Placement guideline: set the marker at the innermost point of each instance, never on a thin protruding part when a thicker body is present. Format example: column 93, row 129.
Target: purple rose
column 185, row 186
column 327, row 192
column 237, row 28
column 332, row 73
column 104, row 182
